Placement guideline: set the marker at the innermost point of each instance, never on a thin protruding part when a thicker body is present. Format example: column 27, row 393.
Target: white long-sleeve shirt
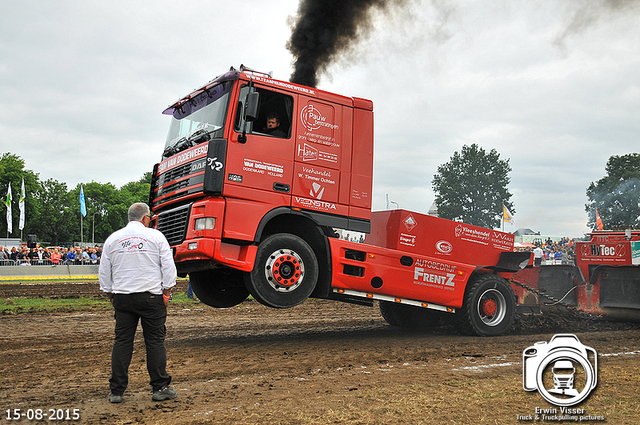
column 136, row 259
column 537, row 253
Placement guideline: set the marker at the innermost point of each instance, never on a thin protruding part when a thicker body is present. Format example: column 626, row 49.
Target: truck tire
column 285, row 272
column 489, row 306
column 408, row 316
column 390, row 313
column 220, row 288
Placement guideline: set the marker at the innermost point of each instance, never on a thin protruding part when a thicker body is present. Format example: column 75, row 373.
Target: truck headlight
column 206, row 223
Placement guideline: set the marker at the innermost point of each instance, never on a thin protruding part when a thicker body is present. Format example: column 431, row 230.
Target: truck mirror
column 251, row 109
column 250, row 113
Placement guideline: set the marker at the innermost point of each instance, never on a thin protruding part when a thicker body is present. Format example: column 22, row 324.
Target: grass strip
column 44, row 305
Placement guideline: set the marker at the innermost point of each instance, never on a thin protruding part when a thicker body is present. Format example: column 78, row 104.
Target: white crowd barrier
column 47, row 263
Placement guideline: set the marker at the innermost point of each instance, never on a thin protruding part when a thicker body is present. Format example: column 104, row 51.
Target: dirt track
column 321, row 362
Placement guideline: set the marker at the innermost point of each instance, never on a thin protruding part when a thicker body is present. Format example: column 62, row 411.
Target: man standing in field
column 137, row 272
column 537, row 256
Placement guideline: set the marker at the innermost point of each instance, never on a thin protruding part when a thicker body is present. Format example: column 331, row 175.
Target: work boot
column 164, row 393
column 115, row 398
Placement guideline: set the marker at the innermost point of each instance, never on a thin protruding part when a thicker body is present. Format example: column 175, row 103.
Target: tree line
column 52, row 211
column 472, row 187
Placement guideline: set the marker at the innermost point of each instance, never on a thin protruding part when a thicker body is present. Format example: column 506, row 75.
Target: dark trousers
column 151, row 311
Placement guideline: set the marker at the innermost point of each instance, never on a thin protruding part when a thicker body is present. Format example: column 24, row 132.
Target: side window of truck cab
column 274, row 114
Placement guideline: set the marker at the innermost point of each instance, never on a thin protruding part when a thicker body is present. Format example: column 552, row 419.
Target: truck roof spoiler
column 232, row 74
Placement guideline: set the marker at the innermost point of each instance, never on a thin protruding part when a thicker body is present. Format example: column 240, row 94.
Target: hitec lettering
column 603, row 250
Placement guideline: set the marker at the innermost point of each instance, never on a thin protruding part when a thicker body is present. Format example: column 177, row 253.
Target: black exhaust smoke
column 323, row 29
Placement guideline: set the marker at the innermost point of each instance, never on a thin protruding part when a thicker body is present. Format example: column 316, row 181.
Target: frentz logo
column 419, row 274
column 312, row 119
column 410, row 222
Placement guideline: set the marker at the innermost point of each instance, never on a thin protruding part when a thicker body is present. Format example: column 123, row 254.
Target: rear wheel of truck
column 285, row 272
column 408, row 316
column 489, row 306
column 390, row 313
column 220, row 288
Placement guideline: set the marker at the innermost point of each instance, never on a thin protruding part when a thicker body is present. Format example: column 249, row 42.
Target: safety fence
column 553, row 262
column 43, row 272
column 44, row 262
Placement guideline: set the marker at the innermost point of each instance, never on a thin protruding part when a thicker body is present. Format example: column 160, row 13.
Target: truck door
column 259, row 169
column 319, row 157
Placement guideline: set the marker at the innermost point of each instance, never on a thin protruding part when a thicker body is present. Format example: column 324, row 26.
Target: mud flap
column 619, row 286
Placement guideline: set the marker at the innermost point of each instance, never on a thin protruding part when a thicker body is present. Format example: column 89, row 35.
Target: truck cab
column 226, row 183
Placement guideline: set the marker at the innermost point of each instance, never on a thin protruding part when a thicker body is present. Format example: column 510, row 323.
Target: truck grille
column 176, row 186
column 178, row 183
column 173, row 224
column 175, row 174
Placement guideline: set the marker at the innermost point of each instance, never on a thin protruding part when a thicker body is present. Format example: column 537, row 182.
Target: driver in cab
column 273, row 126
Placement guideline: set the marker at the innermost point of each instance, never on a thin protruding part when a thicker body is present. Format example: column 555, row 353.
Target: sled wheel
column 285, row 272
column 408, row 316
column 220, row 288
column 489, row 306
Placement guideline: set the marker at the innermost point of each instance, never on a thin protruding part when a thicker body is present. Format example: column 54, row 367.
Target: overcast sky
column 553, row 86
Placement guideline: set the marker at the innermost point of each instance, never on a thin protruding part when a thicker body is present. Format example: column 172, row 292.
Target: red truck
column 258, row 175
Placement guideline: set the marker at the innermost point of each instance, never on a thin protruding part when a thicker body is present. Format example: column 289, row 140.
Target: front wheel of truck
column 285, row 272
column 489, row 306
column 220, row 288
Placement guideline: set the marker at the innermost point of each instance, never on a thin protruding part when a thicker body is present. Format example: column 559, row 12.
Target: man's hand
column 166, row 296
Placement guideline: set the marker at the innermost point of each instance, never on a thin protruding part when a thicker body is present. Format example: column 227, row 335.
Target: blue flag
column 83, row 205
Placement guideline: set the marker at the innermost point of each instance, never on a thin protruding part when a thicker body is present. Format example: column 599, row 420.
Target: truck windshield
column 204, row 114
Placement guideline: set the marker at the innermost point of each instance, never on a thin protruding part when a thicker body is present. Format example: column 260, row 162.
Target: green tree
column 104, row 212
column 107, row 207
column 54, row 213
column 12, row 171
column 137, row 191
column 472, row 187
column 616, row 195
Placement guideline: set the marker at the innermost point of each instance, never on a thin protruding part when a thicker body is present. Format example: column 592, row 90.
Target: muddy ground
column 320, row 363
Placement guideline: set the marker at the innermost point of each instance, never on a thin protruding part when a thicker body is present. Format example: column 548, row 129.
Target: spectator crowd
column 24, row 256
column 555, row 252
